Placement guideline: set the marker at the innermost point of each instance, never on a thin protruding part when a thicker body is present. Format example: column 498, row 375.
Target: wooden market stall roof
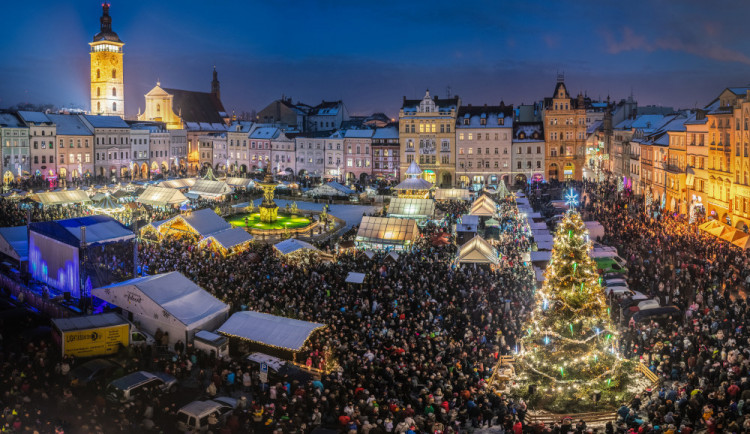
column 478, row 251
column 61, row 197
column 229, row 240
column 203, row 222
column 161, row 196
column 484, row 207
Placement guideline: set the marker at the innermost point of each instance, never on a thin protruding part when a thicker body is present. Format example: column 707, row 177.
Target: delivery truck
column 91, row 335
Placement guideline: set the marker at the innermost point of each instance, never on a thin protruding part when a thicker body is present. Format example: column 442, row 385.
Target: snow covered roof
column 271, row 330
column 35, row 117
column 484, row 206
column 267, row 133
column 69, row 125
column 500, row 116
column 386, row 133
column 478, row 251
column 292, row 245
column 99, row 121
column 358, row 134
column 99, row 229
column 176, row 294
column 10, row 120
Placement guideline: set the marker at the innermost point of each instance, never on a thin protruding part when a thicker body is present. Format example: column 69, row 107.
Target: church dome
column 106, row 33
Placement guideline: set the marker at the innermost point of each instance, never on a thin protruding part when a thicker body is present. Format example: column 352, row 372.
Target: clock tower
column 107, row 90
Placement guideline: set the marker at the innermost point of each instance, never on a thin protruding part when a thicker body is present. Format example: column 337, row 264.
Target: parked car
column 660, row 314
column 92, row 371
column 140, row 383
column 140, row 338
column 194, row 416
column 615, row 282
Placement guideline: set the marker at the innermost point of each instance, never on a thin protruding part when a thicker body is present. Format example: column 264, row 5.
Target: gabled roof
column 358, row 134
column 292, row 245
column 205, row 221
column 100, row 121
column 484, row 206
column 411, row 208
column 490, row 114
column 175, row 293
column 229, row 238
column 326, row 108
column 34, row 117
column 208, row 188
column 161, row 196
column 196, row 106
column 477, row 251
column 387, row 230
column 9, row 120
column 70, row 125
column 48, row 198
column 271, row 330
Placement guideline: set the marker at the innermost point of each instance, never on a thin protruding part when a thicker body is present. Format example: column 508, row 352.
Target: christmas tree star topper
column 571, row 199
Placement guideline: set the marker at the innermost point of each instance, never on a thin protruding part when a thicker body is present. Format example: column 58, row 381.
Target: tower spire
column 215, row 87
column 105, row 20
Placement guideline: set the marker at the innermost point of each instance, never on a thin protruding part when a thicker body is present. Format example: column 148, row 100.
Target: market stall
column 161, row 197
column 477, row 251
column 382, row 233
column 228, row 241
column 67, row 197
column 270, row 334
column 170, row 302
column 208, row 189
column 483, row 207
column 403, row 207
column 452, row 194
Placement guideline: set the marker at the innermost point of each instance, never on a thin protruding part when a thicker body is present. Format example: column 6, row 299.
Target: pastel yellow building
column 107, row 85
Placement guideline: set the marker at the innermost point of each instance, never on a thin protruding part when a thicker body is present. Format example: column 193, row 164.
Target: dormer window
column 501, row 121
column 466, row 121
column 483, row 121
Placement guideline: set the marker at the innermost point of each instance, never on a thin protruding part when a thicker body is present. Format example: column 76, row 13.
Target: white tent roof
column 178, row 183
column 61, row 197
column 291, row 245
column 535, row 225
column 210, row 189
column 411, row 208
column 387, row 230
column 330, row 189
column 413, row 169
column 160, row 196
column 175, row 293
column 478, row 251
column 231, row 237
column 452, row 193
column 240, row 182
column 205, row 221
column 484, row 206
column 353, row 277
column 268, row 329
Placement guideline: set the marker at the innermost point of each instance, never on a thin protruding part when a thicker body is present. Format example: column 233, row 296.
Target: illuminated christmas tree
column 569, row 351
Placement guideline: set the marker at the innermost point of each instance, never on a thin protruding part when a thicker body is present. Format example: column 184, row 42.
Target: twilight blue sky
column 679, row 53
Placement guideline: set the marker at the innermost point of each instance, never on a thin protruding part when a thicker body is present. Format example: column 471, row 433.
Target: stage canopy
column 452, row 194
column 478, row 251
column 405, row 207
column 292, row 245
column 383, row 232
column 266, row 329
column 100, row 229
column 160, row 196
column 61, row 197
column 210, row 189
column 484, row 207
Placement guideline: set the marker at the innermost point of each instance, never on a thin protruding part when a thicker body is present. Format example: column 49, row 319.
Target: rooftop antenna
column 448, row 91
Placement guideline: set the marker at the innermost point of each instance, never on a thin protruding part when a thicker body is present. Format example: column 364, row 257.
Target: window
column 114, row 106
column 36, row 159
column 98, row 74
column 538, row 149
column 114, row 73
column 98, row 106
column 519, row 165
column 460, row 136
column 98, row 91
column 538, row 164
column 114, row 91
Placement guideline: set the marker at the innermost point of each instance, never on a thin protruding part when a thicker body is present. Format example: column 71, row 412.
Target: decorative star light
column 571, row 198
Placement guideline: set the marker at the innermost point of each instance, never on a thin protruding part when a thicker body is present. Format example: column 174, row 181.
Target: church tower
column 107, row 90
column 215, row 89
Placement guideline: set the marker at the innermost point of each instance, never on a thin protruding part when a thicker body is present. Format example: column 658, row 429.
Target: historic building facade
column 565, row 130
column 385, row 153
column 483, row 145
column 427, row 136
column 107, row 84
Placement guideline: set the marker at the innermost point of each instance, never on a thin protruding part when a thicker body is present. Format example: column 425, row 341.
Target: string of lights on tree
column 570, row 344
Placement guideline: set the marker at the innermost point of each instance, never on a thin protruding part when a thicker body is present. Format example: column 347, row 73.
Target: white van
column 194, row 416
